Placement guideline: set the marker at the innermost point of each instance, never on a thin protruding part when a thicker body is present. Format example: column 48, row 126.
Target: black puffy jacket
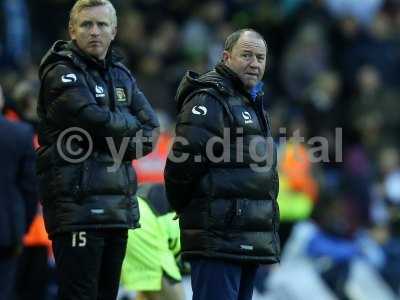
column 224, row 192
column 102, row 99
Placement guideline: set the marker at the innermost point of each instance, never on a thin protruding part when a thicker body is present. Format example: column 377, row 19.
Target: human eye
column 103, row 24
column 260, row 58
column 86, row 24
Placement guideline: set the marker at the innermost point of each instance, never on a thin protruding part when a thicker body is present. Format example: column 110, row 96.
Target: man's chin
column 250, row 84
column 96, row 54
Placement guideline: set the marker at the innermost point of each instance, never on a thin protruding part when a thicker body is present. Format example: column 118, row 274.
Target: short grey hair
column 232, row 39
column 82, row 4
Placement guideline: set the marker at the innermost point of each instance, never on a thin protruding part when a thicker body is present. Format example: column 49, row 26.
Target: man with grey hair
column 225, row 192
column 93, row 121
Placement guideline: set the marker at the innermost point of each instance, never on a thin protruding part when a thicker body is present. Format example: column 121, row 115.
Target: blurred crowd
column 332, row 72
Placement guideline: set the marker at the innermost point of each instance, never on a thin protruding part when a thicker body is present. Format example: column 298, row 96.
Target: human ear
column 71, row 31
column 114, row 32
column 225, row 56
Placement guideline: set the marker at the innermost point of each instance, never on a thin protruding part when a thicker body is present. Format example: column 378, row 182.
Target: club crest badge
column 120, row 95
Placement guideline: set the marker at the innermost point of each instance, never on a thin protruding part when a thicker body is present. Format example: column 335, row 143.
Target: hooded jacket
column 100, row 102
column 221, row 174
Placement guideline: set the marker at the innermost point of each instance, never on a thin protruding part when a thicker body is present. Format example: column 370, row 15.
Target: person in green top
column 150, row 266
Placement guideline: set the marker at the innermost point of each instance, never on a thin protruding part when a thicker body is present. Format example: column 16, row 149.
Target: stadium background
column 331, row 64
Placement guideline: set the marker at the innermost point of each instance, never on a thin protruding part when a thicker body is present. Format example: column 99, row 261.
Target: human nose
column 254, row 63
column 95, row 30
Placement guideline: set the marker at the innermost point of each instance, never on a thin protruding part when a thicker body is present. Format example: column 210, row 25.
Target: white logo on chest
column 99, row 91
column 247, row 117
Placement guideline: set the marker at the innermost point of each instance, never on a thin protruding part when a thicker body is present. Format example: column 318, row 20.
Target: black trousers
column 33, row 273
column 89, row 263
column 8, row 268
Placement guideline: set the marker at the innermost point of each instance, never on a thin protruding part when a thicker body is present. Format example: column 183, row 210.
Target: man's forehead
column 251, row 42
column 98, row 12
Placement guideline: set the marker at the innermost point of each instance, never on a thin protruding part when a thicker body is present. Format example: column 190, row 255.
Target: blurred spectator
column 391, row 269
column 373, row 110
column 150, row 169
column 321, row 103
column 15, row 49
column 25, row 94
column 390, row 167
column 364, row 11
column 34, row 272
column 18, row 195
column 195, row 38
column 337, row 261
column 375, row 46
column 306, row 56
column 298, row 189
column 132, row 36
column 357, row 178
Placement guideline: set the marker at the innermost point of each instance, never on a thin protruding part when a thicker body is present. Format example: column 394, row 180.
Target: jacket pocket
column 66, row 180
column 221, row 213
column 99, row 177
column 256, row 215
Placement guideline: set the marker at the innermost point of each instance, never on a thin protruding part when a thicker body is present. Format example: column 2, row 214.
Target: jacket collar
column 111, row 58
column 236, row 82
